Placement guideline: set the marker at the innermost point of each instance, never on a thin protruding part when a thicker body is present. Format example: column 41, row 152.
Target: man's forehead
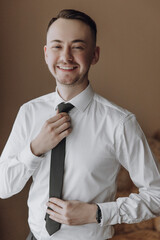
column 68, row 27
column 60, row 22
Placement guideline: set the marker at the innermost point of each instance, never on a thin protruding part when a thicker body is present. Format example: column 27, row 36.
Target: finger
column 64, row 134
column 58, row 219
column 63, row 127
column 56, row 117
column 61, row 121
column 55, row 207
column 61, row 219
column 54, row 215
column 59, row 202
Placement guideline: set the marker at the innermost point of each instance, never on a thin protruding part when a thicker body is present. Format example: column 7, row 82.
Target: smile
column 66, row 68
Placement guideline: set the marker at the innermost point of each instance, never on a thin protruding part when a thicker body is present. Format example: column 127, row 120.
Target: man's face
column 70, row 51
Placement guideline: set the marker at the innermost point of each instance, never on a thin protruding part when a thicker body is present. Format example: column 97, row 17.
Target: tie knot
column 65, row 107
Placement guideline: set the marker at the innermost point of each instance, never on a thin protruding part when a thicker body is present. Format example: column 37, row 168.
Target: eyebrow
column 74, row 41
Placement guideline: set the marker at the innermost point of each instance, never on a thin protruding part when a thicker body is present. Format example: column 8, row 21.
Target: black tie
column 56, row 172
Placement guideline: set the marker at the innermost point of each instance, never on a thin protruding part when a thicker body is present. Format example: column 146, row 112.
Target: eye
column 56, row 47
column 78, row 47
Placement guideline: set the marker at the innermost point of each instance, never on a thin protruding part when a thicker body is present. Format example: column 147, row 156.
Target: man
column 100, row 137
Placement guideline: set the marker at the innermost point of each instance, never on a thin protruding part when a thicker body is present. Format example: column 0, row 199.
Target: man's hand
column 53, row 131
column 71, row 212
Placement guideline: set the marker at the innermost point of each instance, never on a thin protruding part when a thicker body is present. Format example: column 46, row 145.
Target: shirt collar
column 81, row 101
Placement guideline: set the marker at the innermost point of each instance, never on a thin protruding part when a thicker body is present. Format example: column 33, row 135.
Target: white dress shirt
column 104, row 136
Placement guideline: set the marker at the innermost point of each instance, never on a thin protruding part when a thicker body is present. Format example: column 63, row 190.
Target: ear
column 45, row 54
column 96, row 55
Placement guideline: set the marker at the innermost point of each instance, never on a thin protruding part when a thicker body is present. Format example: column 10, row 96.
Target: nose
column 66, row 55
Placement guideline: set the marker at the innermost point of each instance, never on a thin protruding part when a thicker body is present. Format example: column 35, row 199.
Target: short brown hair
column 74, row 14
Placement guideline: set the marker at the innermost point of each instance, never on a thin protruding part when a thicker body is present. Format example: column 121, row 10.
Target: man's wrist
column 33, row 149
column 92, row 213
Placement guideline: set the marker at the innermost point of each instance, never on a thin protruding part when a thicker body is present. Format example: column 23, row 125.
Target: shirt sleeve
column 133, row 152
column 17, row 162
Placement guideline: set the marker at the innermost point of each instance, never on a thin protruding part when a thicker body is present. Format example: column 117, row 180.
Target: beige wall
column 128, row 72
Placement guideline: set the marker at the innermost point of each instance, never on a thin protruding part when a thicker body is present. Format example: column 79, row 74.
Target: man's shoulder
column 43, row 98
column 50, row 97
column 110, row 108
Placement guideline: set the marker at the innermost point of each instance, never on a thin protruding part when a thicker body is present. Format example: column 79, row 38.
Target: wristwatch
column 98, row 214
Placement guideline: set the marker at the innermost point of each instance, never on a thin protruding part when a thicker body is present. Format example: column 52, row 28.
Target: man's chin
column 67, row 82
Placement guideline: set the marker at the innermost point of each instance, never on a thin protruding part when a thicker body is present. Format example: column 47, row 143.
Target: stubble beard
column 74, row 82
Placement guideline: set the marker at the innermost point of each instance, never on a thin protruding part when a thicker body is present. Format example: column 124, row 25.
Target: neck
column 67, row 92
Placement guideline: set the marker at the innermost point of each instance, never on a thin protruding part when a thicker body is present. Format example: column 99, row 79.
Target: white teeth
column 67, row 68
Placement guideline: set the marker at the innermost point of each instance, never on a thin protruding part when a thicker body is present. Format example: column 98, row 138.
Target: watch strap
column 98, row 215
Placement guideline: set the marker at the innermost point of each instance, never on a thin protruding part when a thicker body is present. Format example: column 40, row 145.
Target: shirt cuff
column 29, row 159
column 110, row 213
